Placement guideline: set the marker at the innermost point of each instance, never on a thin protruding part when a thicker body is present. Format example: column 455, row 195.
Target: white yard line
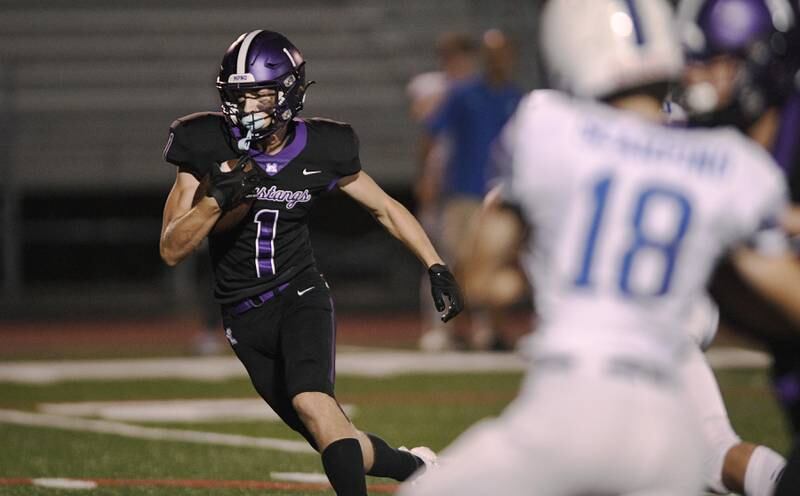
column 158, row 434
column 59, row 483
column 304, row 477
column 178, row 410
column 379, row 363
column 737, row 358
column 201, row 368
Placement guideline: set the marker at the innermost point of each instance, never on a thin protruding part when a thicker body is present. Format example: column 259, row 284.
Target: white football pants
column 576, row 431
column 704, row 393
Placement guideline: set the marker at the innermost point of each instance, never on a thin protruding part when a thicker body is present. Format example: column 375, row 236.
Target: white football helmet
column 596, row 48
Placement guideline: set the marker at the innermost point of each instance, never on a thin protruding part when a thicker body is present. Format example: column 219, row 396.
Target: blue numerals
column 600, row 192
column 665, row 246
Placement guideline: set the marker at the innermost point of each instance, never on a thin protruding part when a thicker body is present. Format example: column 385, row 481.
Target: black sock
column 344, row 466
column 390, row 462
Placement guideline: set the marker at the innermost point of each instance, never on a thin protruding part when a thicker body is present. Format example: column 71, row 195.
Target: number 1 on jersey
column 642, row 240
column 600, row 191
column 267, row 221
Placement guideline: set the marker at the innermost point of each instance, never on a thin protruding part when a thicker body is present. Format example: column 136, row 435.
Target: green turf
column 753, row 410
column 412, row 410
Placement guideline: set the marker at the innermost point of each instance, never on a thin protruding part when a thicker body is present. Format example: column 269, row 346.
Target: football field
column 194, row 425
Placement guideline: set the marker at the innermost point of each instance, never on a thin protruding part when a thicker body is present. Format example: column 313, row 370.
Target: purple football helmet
column 762, row 35
column 261, row 60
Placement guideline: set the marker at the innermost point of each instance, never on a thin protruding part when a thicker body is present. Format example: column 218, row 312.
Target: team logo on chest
column 291, row 198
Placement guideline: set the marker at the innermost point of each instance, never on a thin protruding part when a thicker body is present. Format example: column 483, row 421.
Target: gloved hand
column 443, row 284
column 230, row 188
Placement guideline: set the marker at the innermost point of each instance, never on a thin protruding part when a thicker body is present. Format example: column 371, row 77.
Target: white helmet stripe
column 290, row 58
column 241, row 60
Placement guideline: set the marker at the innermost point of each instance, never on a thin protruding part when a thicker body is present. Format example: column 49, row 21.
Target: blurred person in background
column 258, row 161
column 457, row 55
column 628, row 218
column 743, row 65
column 470, row 117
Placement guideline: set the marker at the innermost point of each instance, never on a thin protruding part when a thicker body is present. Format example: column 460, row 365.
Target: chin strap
column 244, row 143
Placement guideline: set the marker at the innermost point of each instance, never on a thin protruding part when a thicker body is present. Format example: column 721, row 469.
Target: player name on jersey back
column 654, row 149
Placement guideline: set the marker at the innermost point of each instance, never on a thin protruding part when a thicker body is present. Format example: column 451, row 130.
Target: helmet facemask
column 251, row 127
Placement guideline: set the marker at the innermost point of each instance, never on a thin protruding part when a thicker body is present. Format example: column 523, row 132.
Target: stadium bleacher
column 93, row 88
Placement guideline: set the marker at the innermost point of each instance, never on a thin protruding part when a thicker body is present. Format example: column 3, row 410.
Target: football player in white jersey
column 628, row 217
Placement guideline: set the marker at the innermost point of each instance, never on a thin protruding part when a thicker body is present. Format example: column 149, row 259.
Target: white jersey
column 628, row 219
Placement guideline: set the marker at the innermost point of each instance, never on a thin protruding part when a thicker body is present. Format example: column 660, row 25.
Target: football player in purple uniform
column 277, row 309
column 742, row 71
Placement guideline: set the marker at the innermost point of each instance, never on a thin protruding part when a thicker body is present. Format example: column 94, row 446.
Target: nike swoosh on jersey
column 301, row 293
column 307, row 172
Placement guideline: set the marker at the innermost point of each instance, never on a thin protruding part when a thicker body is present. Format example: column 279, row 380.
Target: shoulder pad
column 197, row 140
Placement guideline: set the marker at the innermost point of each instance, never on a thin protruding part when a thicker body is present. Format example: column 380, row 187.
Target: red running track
column 207, row 484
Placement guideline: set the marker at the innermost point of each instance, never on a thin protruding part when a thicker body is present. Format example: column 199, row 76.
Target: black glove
column 444, row 284
column 231, row 188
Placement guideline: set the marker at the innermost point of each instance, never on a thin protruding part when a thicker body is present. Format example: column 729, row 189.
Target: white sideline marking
column 737, row 358
column 205, row 368
column 172, row 410
column 368, row 364
column 64, row 483
column 159, row 434
column 308, row 477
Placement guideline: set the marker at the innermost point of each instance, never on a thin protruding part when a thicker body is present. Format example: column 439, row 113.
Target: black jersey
column 271, row 245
